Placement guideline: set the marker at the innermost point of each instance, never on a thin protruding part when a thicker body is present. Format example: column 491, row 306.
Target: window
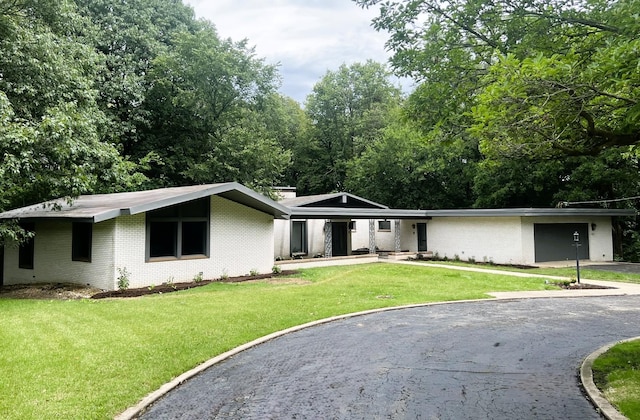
column 81, row 235
column 298, row 238
column 384, row 225
column 352, row 225
column 26, row 249
column 179, row 231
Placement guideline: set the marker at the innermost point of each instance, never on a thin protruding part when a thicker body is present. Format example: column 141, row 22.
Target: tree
column 405, row 170
column 130, row 35
column 347, row 107
column 50, row 125
column 206, row 105
column 564, row 73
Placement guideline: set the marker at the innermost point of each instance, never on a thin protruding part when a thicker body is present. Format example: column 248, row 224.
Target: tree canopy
column 537, row 77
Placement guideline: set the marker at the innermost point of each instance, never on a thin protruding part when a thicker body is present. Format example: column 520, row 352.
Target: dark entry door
column 554, row 241
column 339, row 238
column 422, row 237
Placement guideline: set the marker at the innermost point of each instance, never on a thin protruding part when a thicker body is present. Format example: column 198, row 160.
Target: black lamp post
column 576, row 242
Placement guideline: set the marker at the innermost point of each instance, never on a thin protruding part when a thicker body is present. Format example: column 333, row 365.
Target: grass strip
column 617, row 374
column 570, row 272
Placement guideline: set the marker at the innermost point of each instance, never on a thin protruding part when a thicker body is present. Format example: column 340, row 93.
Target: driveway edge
column 586, row 377
column 134, row 411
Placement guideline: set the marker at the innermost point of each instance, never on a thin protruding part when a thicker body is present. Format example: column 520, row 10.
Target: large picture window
column 26, row 249
column 81, row 236
column 298, row 238
column 179, row 231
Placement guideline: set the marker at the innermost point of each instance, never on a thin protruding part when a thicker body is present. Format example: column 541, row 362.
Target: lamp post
column 576, row 242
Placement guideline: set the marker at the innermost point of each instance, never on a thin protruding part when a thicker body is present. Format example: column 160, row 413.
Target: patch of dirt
column 47, row 291
column 68, row 291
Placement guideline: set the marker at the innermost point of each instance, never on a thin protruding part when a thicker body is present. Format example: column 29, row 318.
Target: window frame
column 384, row 229
column 81, row 241
column 180, row 218
column 304, row 238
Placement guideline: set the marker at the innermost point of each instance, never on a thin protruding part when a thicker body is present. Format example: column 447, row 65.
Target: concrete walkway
column 511, row 357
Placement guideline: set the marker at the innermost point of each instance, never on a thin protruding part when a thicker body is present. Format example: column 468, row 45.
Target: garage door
column 554, row 241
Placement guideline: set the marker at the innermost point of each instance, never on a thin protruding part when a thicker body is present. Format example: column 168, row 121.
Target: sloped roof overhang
column 100, row 207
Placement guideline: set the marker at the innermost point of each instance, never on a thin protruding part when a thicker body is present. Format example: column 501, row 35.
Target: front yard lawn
column 95, row 358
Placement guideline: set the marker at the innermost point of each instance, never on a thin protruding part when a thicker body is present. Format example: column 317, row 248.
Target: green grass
column 585, row 272
column 617, row 374
column 95, row 358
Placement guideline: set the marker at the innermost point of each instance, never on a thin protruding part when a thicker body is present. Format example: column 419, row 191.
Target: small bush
column 253, row 272
column 123, row 278
column 171, row 282
column 198, row 277
column 276, row 269
column 224, row 275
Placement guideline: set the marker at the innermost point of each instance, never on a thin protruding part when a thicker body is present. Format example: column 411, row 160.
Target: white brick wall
column 498, row 239
column 52, row 257
column 241, row 240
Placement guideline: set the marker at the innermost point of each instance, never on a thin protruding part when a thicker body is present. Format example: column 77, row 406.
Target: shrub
column 198, row 277
column 123, row 278
column 276, row 269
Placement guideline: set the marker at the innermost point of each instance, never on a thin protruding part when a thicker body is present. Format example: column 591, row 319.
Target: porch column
column 396, row 234
column 328, row 238
column 372, row 236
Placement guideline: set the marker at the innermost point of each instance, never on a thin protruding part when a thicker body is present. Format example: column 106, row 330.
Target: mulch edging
column 174, row 287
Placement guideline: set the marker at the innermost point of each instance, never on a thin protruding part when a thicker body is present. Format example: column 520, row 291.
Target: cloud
column 305, row 37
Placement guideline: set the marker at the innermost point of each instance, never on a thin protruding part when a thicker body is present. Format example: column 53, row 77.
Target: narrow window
column 384, row 225
column 81, row 237
column 179, row 231
column 298, row 237
column 26, row 249
column 352, row 225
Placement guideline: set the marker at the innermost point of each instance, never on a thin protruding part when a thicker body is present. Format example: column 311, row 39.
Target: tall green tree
column 51, row 127
column 542, row 77
column 130, row 35
column 207, row 107
column 403, row 169
column 347, row 108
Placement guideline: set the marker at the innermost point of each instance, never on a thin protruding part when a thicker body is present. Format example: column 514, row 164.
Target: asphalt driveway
column 477, row 360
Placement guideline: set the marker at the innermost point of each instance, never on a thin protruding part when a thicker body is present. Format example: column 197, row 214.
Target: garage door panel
column 554, row 241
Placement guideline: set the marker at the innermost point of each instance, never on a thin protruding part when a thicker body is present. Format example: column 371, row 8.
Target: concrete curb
column 134, row 411
column 586, row 377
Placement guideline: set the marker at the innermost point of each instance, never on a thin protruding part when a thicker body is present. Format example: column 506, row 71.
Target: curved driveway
column 477, row 360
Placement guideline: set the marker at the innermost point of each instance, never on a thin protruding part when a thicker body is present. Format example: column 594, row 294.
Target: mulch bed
column 581, row 286
column 174, row 287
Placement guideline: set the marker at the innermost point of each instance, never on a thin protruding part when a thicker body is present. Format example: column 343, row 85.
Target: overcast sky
column 305, row 37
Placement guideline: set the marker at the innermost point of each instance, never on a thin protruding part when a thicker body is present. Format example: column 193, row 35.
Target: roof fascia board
column 177, row 199
column 355, row 213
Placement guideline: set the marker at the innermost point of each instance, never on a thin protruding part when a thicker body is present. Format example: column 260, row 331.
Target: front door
column 422, row 237
column 339, row 238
